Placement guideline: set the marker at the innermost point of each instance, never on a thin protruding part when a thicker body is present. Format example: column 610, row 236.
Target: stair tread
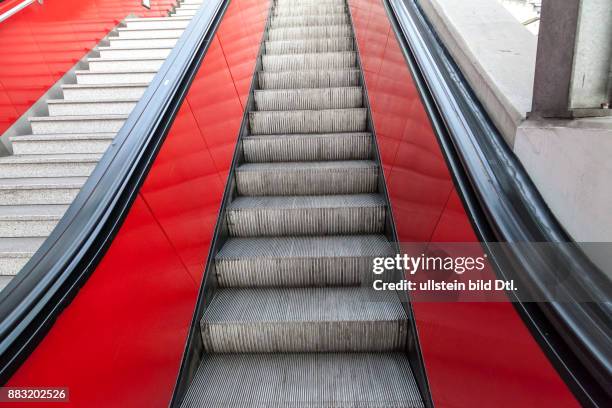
column 329, row 201
column 309, row 135
column 105, row 86
column 113, row 59
column 50, row 158
column 146, row 47
column 58, row 137
column 141, row 71
column 130, row 20
column 105, row 101
column 19, row 246
column 26, row 183
column 288, row 166
column 76, row 118
column 335, row 246
column 32, row 211
column 308, row 379
column 283, row 305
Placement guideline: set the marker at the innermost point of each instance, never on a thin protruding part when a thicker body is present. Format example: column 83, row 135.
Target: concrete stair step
column 62, row 107
column 308, row 121
column 139, row 42
column 63, row 143
column 322, row 60
column 152, row 51
column 136, row 64
column 157, row 22
column 77, row 124
column 78, row 92
column 306, row 215
column 124, row 33
column 307, row 147
column 15, row 253
column 29, row 220
column 40, row 190
column 307, row 178
column 309, row 20
column 309, row 99
column 304, row 33
column 299, row 261
column 48, row 165
column 330, row 380
column 308, row 79
column 114, row 78
column 183, row 12
column 335, row 44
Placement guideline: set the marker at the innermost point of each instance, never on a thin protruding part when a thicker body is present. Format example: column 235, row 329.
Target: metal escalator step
column 309, row 10
column 279, row 320
column 307, row 147
column 62, row 143
column 301, row 33
column 77, row 124
column 299, row 261
column 308, row 79
column 309, row 98
column 48, row 165
column 306, row 20
column 15, row 253
column 306, row 215
column 308, row 121
column 29, row 220
column 321, row 60
column 40, row 190
column 336, row 44
column 307, row 178
column 322, row 380
column 62, row 107
column 77, row 92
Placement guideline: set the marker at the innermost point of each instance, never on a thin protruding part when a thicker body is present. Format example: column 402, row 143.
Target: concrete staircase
column 293, row 321
column 49, row 166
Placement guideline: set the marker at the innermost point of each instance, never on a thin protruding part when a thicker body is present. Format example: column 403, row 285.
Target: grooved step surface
column 309, row 20
column 303, row 33
column 321, row 60
column 307, row 178
column 308, row 79
column 337, row 44
column 299, row 261
column 308, row 121
column 306, row 215
column 322, row 380
column 307, row 147
column 312, row 99
column 272, row 320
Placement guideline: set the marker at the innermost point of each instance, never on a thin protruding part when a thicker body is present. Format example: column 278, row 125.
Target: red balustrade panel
column 120, row 342
column 40, row 43
column 475, row 354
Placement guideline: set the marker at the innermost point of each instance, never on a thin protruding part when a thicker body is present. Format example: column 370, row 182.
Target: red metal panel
column 119, row 343
column 43, row 41
column 476, row 354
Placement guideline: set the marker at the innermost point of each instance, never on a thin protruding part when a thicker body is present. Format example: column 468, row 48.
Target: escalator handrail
column 510, row 208
column 49, row 281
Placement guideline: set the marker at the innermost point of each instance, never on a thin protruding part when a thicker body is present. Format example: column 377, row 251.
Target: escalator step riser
column 305, row 337
column 309, row 21
column 308, row 79
column 325, row 121
column 305, row 33
column 306, row 10
column 305, row 99
column 305, row 221
column 287, row 148
column 336, row 44
column 291, row 62
column 307, row 182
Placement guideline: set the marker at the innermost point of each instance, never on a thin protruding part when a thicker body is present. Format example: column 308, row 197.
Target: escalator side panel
column 120, row 342
column 475, row 354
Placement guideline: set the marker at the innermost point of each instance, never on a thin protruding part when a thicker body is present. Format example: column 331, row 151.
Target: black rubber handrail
column 49, row 281
column 505, row 206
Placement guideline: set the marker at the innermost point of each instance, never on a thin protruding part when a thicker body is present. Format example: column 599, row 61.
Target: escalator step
column 321, row 60
column 277, row 320
column 313, row 98
column 308, row 121
column 306, row 20
column 336, row 44
column 309, row 9
column 307, row 178
column 307, row 147
column 299, row 261
column 308, row 79
column 306, row 215
column 303, row 33
column 322, row 380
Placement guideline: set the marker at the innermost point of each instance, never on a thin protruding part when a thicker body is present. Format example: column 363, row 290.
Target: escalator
column 286, row 314
column 292, row 318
